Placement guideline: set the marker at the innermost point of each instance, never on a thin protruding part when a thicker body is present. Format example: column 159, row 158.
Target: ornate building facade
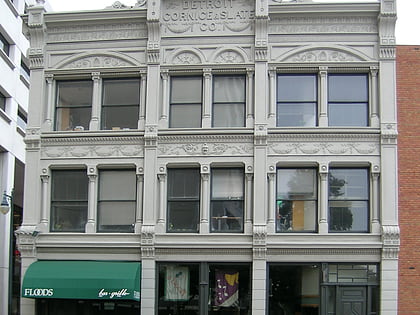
column 212, row 157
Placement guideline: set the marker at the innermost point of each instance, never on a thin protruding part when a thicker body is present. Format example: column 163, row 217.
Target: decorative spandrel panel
column 100, row 147
column 207, row 17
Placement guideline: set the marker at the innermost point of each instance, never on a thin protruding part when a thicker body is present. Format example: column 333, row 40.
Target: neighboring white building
column 212, row 157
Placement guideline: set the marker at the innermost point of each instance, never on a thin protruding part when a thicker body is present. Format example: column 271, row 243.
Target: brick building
column 408, row 96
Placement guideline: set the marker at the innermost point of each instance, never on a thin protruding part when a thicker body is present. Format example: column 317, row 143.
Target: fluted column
column 323, row 199
column 92, row 200
column 139, row 200
column 205, row 199
column 45, row 180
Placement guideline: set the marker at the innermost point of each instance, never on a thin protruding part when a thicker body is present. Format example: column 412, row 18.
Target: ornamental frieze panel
column 95, row 32
column 320, row 54
column 207, row 17
column 208, row 55
column 328, row 146
column 325, row 24
column 218, row 146
column 99, row 60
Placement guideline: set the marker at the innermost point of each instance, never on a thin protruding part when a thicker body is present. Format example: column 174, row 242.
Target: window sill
column 5, row 116
column 24, row 80
column 7, row 60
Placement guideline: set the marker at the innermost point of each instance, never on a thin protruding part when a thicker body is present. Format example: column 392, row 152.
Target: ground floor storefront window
column 204, row 288
column 326, row 289
column 86, row 307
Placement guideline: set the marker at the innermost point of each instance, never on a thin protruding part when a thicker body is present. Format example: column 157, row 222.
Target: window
column 229, row 101
column 24, row 69
column 296, row 100
column 183, row 200
column 69, row 200
column 185, row 102
column 116, row 200
column 120, row 104
column 348, row 200
column 2, row 102
column 4, row 45
column 21, row 120
column 227, row 200
column 296, row 200
column 348, row 100
column 74, row 105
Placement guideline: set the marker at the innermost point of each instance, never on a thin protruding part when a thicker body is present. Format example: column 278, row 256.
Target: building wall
column 408, row 79
column 157, row 41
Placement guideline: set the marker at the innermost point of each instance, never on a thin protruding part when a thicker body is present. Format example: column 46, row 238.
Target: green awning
column 98, row 280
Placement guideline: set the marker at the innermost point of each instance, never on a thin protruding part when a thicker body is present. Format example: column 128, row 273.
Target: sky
column 407, row 28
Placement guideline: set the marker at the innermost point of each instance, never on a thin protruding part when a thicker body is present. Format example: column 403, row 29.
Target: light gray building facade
column 212, row 157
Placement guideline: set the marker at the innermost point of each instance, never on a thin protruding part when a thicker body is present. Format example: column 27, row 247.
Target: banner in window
column 227, row 288
column 177, row 283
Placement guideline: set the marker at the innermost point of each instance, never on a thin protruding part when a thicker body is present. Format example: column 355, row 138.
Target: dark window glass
column 296, row 100
column 21, row 119
column 229, row 101
column 116, row 201
column 24, row 70
column 296, row 201
column 227, row 200
column 74, row 105
column 69, row 200
column 4, row 45
column 348, row 100
column 2, row 102
column 120, row 104
column 348, row 200
column 185, row 102
column 294, row 289
column 183, row 200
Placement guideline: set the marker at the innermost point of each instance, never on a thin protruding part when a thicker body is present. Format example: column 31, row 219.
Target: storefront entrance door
column 352, row 300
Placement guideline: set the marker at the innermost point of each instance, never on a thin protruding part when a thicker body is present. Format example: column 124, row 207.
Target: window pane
column 296, row 88
column 69, row 185
column 229, row 89
column 296, row 114
column 296, row 183
column 295, row 216
column 227, row 183
column 185, row 116
column 183, row 183
column 186, row 90
column 348, row 184
column 348, row 114
column 349, row 216
column 120, row 117
column 69, row 195
column 117, row 185
column 183, row 216
column 2, row 102
column 116, row 216
column 348, row 88
column 229, row 115
column 227, row 216
column 121, row 92
column 74, row 93
column 73, row 118
column 4, row 45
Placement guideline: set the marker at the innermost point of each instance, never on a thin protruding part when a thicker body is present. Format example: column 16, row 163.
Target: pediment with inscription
column 99, row 60
column 324, row 54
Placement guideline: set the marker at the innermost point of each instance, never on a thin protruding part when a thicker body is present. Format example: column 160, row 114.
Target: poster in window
column 177, row 283
column 227, row 288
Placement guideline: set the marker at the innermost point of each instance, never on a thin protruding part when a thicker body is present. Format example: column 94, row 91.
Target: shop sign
column 113, row 294
column 29, row 292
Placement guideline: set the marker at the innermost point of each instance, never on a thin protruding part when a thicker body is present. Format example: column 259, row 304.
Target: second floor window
column 74, row 105
column 185, row 102
column 69, row 200
column 348, row 200
column 120, row 104
column 296, row 200
column 296, row 100
column 116, row 200
column 183, row 200
column 229, row 101
column 348, row 100
column 227, row 200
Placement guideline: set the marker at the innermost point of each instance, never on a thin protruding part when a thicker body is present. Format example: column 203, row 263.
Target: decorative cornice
column 320, row 252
